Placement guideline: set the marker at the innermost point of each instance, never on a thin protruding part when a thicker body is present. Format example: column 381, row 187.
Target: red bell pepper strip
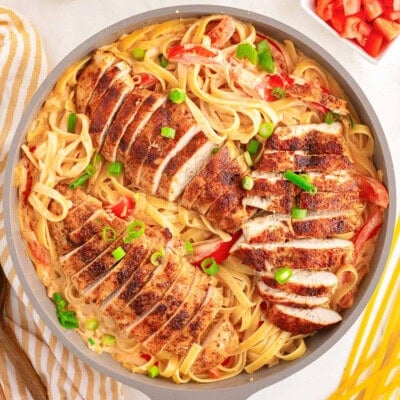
column 372, row 190
column 124, row 207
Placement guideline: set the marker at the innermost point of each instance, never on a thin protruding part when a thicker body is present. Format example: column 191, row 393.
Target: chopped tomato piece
column 145, row 79
column 389, row 29
column 222, row 32
column 372, row 190
column 367, row 231
column 145, row 356
column 337, row 21
column 389, row 13
column 226, row 362
column 324, row 9
column 123, row 207
column 374, row 44
column 372, row 8
column 350, row 28
column 351, row 6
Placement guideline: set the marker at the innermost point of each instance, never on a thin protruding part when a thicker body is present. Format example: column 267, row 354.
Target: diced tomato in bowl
column 370, row 26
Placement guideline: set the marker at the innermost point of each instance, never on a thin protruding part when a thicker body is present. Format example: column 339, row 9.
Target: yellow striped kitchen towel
column 22, row 68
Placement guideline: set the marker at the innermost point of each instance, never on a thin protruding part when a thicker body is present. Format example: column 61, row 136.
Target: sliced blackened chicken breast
column 273, row 203
column 329, row 201
column 272, row 184
column 90, row 76
column 302, row 321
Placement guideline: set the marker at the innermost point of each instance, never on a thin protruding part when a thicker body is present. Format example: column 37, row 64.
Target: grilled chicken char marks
column 123, row 118
column 90, row 76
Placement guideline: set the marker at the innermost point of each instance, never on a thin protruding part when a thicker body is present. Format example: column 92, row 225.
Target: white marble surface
column 63, row 24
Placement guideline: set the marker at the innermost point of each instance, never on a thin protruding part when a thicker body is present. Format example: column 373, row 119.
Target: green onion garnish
column 153, row 371
column 331, row 117
column 265, row 60
column 265, row 130
column 162, row 60
column 247, row 50
column 168, row 132
column 108, row 234
column 134, row 231
column 138, row 54
column 97, row 158
column 247, row 183
column 302, row 181
column 80, row 181
column 209, row 266
column 91, row 341
column 57, row 297
column 90, row 169
column 71, row 122
column 252, row 146
column 115, row 168
column 156, row 258
column 248, row 159
column 177, row 96
column 282, row 275
column 351, row 121
column 108, row 340
column 188, row 247
column 66, row 318
column 278, row 92
column 61, row 305
column 92, row 324
column 299, row 213
column 118, row 253
column 215, row 150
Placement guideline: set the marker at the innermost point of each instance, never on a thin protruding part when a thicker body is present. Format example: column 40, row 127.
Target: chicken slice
column 184, row 166
column 337, row 181
column 115, row 73
column 278, row 161
column 89, row 77
column 275, row 295
column 191, row 304
column 314, row 254
column 275, row 204
column 123, row 118
column 149, row 105
column 272, row 184
column 218, row 162
column 162, row 149
column 221, row 342
column 314, row 138
column 329, row 201
column 191, row 333
column 302, row 321
column 102, row 117
column 268, row 228
column 304, row 282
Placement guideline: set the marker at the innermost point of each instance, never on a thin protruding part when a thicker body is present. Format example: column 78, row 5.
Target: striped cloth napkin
column 23, row 66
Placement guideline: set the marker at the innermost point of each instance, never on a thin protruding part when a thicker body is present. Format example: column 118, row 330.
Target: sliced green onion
column 278, row 92
column 138, row 54
column 265, row 60
column 248, row 159
column 282, row 275
column 91, row 341
column 134, row 231
column 209, row 266
column 351, row 121
column 331, row 117
column 68, row 319
column 247, row 50
column 108, row 234
column 163, row 61
column 156, row 258
column 153, row 371
column 252, row 146
column 189, row 247
column 247, row 183
column 97, row 158
column 92, row 324
column 303, row 182
column 90, row 169
column 61, row 305
column 57, row 297
column 80, row 181
column 265, row 130
column 118, row 253
column 263, row 45
column 108, row 340
column 177, row 95
column 299, row 213
column 71, row 122
column 115, row 168
column 215, row 150
column 168, row 132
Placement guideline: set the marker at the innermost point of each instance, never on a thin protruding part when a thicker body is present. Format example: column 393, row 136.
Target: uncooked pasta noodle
column 224, row 110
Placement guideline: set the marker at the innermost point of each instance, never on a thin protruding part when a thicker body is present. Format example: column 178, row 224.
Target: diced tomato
column 145, row 79
column 374, row 44
column 372, row 190
column 222, row 32
column 145, row 356
column 370, row 228
column 396, row 5
column 226, row 362
column 123, row 207
column 389, row 29
column 350, row 28
column 372, row 8
column 338, row 6
column 218, row 250
column 351, row 6
column 337, row 21
column 324, row 9
column 389, row 13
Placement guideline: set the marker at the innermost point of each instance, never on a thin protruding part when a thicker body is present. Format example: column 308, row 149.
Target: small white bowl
column 309, row 7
